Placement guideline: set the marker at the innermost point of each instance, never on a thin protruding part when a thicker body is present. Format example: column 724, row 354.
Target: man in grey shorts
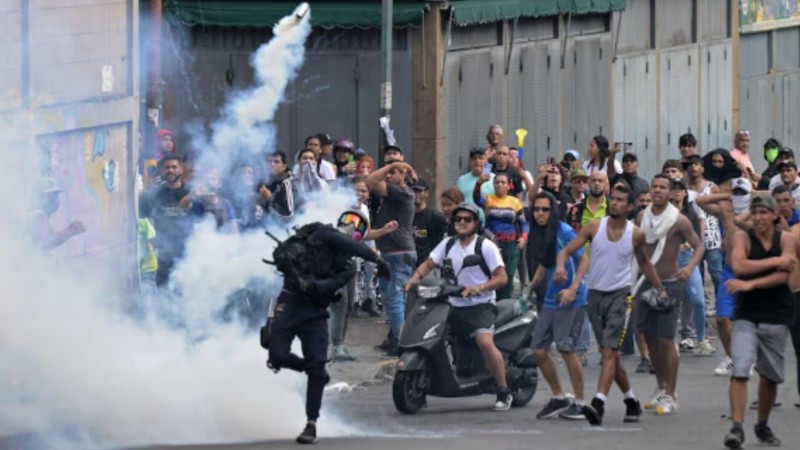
column 667, row 230
column 614, row 243
column 761, row 259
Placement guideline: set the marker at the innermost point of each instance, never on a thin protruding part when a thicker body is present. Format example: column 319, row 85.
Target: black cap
column 630, row 155
column 786, row 151
column 679, row 183
column 785, row 164
column 477, row 151
column 392, row 147
column 420, row 185
column 324, row 139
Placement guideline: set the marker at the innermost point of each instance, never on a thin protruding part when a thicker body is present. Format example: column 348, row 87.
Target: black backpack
column 299, row 255
column 478, row 251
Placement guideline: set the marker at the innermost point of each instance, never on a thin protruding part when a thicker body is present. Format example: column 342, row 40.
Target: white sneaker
column 686, row 345
column 704, row 348
column 655, row 400
column 668, row 405
column 724, row 368
column 711, row 311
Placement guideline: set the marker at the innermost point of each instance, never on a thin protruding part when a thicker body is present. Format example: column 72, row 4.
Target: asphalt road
column 467, row 424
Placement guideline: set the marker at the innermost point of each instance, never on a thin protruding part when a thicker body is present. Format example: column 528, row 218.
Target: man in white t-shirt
column 474, row 312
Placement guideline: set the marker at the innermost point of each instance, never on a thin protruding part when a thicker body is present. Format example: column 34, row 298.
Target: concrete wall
column 66, row 73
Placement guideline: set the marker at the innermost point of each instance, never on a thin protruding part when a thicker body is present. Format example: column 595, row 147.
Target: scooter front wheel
column 408, row 391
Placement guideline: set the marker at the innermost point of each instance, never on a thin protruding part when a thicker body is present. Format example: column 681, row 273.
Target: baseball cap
column 574, row 153
column 785, row 164
column 392, row 147
column 786, row 151
column 324, row 139
column 577, row 173
column 679, row 183
column 741, row 186
column 630, row 155
column 480, row 151
column 763, row 201
column 420, row 185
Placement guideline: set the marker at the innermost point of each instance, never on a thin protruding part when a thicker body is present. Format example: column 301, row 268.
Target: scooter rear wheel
column 408, row 392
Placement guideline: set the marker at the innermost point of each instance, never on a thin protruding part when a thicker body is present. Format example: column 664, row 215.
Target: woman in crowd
column 505, row 218
column 599, row 157
column 450, row 198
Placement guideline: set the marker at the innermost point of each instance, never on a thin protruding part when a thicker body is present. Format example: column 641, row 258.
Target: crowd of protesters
column 687, row 221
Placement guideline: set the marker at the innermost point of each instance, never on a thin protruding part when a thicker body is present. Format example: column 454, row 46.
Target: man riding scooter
column 474, row 311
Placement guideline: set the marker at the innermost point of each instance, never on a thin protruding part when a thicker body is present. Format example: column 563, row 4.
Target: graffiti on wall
column 762, row 15
column 90, row 166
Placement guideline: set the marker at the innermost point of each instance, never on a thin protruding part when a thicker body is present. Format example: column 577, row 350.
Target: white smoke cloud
column 81, row 373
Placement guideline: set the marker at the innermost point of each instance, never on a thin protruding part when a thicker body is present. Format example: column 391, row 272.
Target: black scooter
column 433, row 362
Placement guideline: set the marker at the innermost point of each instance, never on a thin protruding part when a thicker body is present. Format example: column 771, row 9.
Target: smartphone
column 627, row 145
column 487, row 168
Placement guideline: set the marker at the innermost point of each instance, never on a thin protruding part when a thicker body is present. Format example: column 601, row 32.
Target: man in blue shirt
column 562, row 313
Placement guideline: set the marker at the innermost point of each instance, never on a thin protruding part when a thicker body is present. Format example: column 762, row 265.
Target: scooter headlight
column 431, row 333
column 428, row 291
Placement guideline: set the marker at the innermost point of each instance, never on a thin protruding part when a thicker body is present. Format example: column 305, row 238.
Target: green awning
column 467, row 12
column 262, row 13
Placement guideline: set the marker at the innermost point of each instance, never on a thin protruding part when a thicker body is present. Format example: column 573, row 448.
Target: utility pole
column 387, row 13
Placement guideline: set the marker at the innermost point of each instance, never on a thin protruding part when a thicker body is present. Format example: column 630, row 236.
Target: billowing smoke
column 82, row 373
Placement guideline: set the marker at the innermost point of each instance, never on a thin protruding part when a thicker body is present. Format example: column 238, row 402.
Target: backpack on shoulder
column 478, row 251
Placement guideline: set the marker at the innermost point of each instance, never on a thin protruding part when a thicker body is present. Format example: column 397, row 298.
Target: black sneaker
column 734, row 439
column 309, row 435
column 383, row 346
column 633, row 409
column 574, row 412
column 504, row 400
column 644, row 366
column 553, row 407
column 370, row 308
column 599, row 407
column 591, row 415
column 766, row 436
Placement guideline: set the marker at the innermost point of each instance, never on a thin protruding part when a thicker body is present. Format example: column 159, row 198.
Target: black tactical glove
column 384, row 271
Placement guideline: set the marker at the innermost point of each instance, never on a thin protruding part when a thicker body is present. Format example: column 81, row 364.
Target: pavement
column 365, row 418
column 369, row 368
column 358, row 412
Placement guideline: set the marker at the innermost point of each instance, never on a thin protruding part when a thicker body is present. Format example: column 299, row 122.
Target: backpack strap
column 449, row 245
column 478, row 251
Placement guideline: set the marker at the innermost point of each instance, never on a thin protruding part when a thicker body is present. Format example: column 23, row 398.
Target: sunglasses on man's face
column 541, row 209
column 464, row 219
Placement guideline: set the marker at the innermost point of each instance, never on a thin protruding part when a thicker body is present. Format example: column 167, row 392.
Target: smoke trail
column 75, row 368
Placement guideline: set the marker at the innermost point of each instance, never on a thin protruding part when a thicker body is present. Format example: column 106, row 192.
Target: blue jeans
column 712, row 259
column 693, row 307
column 394, row 297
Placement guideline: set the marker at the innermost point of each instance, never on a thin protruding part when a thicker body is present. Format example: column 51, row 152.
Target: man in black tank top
column 762, row 260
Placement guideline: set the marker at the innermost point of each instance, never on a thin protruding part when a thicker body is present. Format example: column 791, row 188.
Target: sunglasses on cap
column 357, row 222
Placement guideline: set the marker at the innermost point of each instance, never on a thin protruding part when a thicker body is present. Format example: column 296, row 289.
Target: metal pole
column 386, row 60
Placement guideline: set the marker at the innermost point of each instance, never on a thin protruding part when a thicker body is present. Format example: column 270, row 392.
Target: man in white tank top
column 614, row 243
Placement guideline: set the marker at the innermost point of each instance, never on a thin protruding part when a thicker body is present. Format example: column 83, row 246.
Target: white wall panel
column 635, row 113
column 678, row 90
column 715, row 97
